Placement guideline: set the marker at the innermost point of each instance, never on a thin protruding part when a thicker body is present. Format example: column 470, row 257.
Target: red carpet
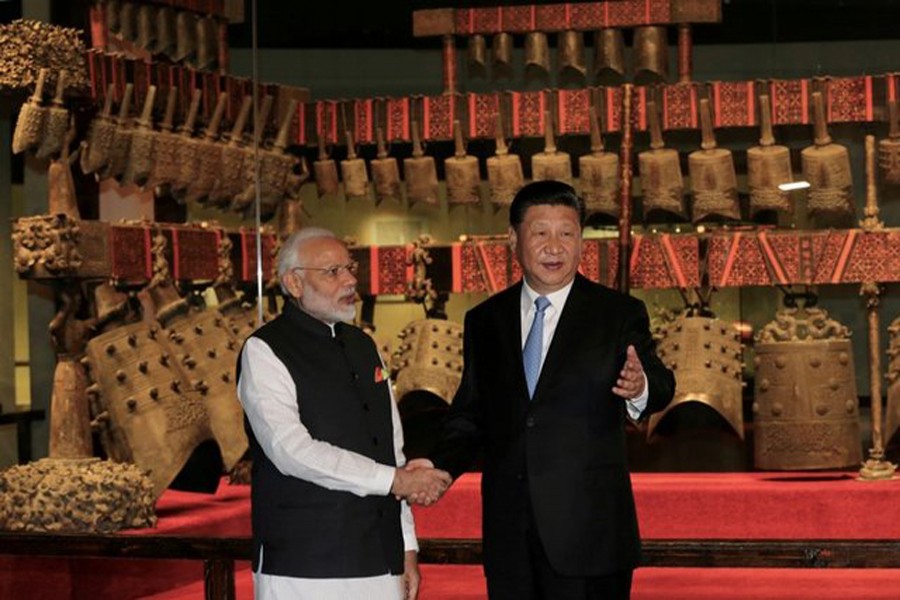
column 740, row 505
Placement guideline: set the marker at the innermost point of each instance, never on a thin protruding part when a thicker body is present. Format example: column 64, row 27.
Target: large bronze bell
column 705, row 354
column 651, row 55
column 609, row 56
column 806, row 413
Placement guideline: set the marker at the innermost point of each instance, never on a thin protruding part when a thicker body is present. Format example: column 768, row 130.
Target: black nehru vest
column 306, row 530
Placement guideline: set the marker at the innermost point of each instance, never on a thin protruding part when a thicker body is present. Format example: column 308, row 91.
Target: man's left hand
column 411, row 575
column 631, row 380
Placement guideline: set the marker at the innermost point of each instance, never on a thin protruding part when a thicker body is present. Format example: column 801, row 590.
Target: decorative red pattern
column 550, row 17
column 197, row 252
column 391, row 270
column 786, row 247
column 528, row 113
column 439, row 114
column 651, row 270
column 483, row 114
column 849, row 99
column 498, row 260
column 659, row 11
column 326, row 120
column 687, row 253
column 585, row 16
column 626, row 12
column 612, row 262
column 574, row 107
column 517, row 19
column 473, row 279
column 750, row 266
column 590, row 260
column 464, row 21
column 871, row 259
column 127, row 253
column 790, row 101
column 826, row 250
column 735, row 104
column 680, row 106
column 364, row 122
column 486, row 20
column 613, row 99
column 397, row 119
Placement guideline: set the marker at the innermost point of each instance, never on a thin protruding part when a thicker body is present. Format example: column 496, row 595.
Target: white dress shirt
column 557, row 300
column 269, row 397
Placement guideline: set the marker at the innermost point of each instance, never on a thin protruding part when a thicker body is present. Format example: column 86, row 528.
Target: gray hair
column 289, row 255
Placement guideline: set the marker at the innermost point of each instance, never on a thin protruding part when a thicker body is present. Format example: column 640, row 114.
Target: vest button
column 529, row 421
column 366, row 407
column 355, row 375
column 375, row 441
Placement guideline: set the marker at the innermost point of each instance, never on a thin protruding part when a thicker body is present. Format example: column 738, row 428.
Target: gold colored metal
column 713, row 178
column 806, row 413
column 504, row 170
column 428, row 358
column 551, row 164
column 420, row 173
column 609, row 56
column 705, row 354
column 537, row 51
column 875, row 468
column 570, row 49
column 599, row 176
column 661, row 180
column 826, row 166
column 768, row 166
column 651, row 55
column 462, row 173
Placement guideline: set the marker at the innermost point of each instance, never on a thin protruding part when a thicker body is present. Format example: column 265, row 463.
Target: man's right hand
column 420, row 484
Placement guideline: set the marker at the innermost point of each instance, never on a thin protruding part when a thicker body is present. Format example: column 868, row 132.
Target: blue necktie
column 531, row 354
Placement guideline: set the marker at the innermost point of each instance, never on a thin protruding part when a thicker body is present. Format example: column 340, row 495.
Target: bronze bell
column 128, row 21
column 113, row 24
column 207, row 42
column 537, row 51
column 477, row 54
column 651, row 56
column 185, row 37
column 502, row 47
column 165, row 31
column 609, row 56
column 146, row 27
column 571, row 52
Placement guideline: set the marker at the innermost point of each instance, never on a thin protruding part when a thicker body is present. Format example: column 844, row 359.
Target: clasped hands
column 420, row 483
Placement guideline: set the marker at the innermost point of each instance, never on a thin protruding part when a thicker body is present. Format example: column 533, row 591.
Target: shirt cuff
column 637, row 405
column 384, row 479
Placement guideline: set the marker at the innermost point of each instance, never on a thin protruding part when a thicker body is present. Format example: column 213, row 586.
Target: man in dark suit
column 553, row 366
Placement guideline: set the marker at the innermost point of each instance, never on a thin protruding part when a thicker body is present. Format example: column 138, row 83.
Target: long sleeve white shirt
column 269, row 397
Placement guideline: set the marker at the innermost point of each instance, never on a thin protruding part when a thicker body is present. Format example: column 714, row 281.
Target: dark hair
column 549, row 192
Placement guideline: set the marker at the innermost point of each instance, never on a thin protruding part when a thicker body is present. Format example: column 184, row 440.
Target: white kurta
column 269, row 398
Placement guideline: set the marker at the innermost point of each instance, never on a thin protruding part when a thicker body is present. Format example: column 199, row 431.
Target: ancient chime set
column 190, row 163
column 194, row 38
column 649, row 52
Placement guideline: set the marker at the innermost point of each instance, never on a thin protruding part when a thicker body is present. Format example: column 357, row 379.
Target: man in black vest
column 326, row 443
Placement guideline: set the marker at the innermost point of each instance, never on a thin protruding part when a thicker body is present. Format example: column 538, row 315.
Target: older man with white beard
column 325, row 436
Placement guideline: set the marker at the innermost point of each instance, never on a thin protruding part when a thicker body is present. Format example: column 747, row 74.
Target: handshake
column 420, row 483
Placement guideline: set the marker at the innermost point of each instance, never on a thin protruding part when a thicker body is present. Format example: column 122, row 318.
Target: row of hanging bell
column 182, row 36
column 650, row 48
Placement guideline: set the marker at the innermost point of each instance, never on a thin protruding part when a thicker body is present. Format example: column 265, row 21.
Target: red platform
column 670, row 506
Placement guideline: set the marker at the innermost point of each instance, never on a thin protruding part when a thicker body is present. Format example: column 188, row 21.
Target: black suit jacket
column 565, row 449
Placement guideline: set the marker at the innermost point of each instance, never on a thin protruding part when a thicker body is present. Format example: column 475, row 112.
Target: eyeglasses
column 335, row 271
